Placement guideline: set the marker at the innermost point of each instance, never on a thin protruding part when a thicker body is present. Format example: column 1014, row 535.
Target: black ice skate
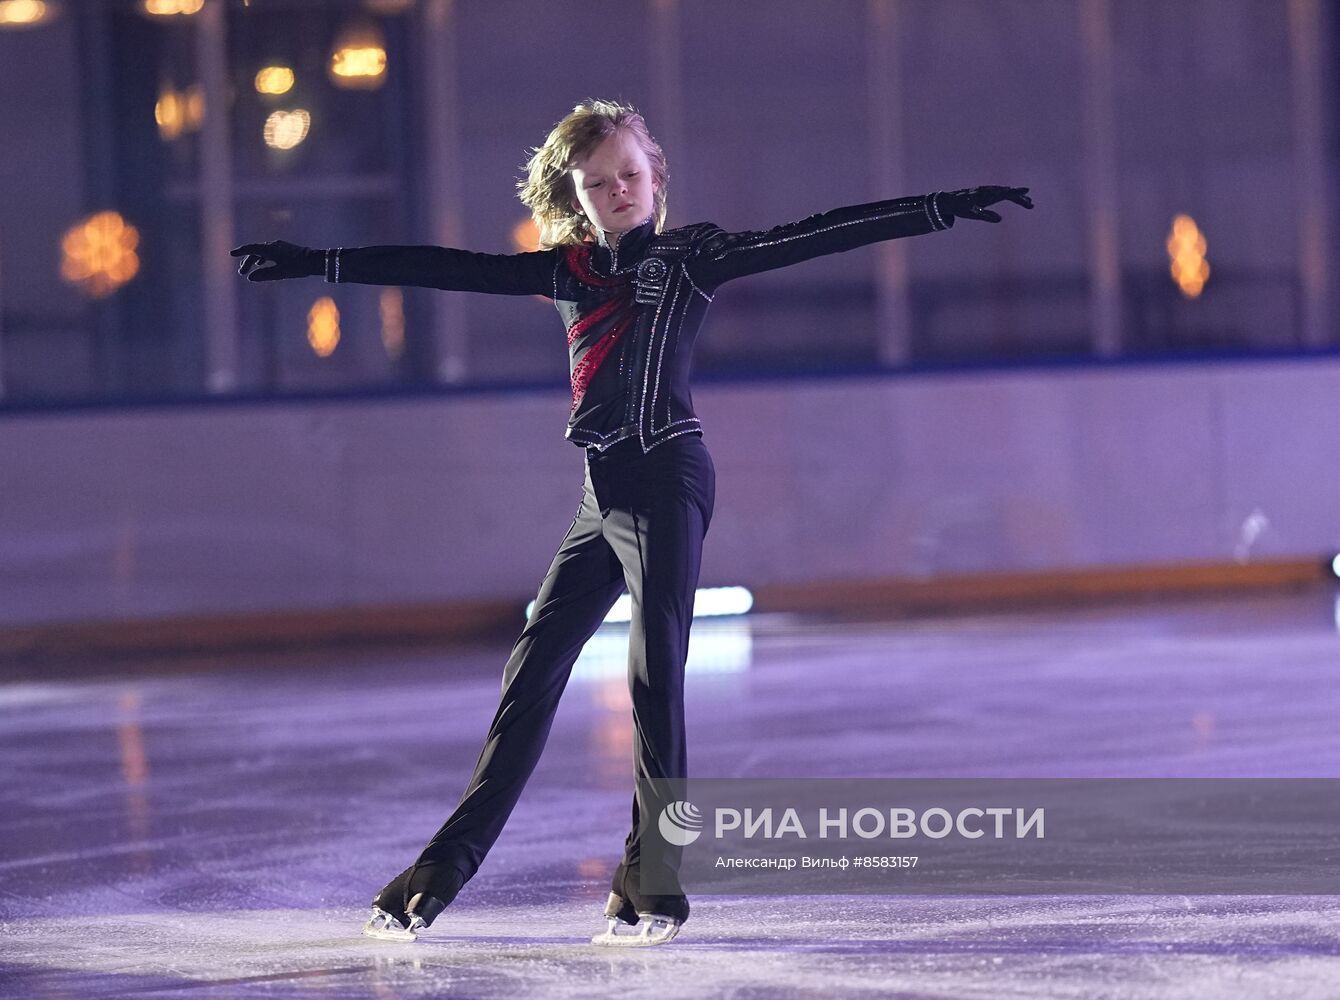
column 412, row 901
column 653, row 919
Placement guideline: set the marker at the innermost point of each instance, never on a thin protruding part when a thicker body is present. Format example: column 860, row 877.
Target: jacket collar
column 625, row 248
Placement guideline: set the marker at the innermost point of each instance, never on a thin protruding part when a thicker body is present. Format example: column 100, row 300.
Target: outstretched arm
column 422, row 266
column 732, row 255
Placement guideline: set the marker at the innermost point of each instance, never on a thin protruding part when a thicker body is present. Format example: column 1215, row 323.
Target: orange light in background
column 526, row 236
column 134, row 761
column 358, row 61
column 135, row 770
column 597, row 868
column 612, row 695
column 286, row 129
column 171, row 8
column 98, row 254
column 170, row 113
column 274, row 80
column 178, row 112
column 195, row 106
column 24, row 13
column 391, row 304
column 323, row 326
column 612, row 743
column 1186, row 251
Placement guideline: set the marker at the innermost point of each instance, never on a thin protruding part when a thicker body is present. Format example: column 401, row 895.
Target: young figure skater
column 632, row 296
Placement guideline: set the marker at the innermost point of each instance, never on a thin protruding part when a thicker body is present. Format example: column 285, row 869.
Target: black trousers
column 641, row 526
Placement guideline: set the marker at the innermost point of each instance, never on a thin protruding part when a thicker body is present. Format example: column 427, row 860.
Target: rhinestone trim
column 685, row 271
column 614, row 248
column 933, row 205
column 660, row 357
column 757, row 243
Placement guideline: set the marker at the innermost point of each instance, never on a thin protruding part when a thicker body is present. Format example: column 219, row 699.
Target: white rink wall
column 226, row 508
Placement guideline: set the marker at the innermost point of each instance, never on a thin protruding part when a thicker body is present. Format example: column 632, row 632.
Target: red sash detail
column 578, row 256
column 596, row 315
column 591, row 360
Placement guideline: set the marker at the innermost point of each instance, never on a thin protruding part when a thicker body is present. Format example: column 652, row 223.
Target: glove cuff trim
column 933, row 210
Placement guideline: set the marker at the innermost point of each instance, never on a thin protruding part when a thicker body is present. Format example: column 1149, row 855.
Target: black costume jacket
column 633, row 307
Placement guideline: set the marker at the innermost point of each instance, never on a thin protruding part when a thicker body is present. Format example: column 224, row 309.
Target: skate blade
column 384, row 927
column 651, row 929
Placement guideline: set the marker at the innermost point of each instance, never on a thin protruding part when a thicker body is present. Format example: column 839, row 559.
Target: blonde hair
column 547, row 189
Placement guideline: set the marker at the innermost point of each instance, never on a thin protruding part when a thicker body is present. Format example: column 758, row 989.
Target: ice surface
column 221, row 832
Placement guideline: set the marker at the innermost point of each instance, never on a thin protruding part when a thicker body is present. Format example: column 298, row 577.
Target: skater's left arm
column 724, row 255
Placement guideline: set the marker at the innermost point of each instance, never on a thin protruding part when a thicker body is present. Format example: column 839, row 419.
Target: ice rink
column 217, row 827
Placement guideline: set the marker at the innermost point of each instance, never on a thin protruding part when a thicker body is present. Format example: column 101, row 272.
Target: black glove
column 276, row 260
column 970, row 203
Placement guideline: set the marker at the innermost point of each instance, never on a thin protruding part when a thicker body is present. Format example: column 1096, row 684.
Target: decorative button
column 651, row 275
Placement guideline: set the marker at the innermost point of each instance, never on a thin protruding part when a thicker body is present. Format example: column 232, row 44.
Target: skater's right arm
column 422, row 266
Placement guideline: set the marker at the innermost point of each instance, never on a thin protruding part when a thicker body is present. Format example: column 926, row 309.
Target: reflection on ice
column 716, row 646
column 221, row 834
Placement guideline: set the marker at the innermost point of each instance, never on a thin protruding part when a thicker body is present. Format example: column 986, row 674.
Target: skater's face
column 614, row 185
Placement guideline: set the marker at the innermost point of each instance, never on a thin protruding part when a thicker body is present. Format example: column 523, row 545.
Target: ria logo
column 680, row 823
